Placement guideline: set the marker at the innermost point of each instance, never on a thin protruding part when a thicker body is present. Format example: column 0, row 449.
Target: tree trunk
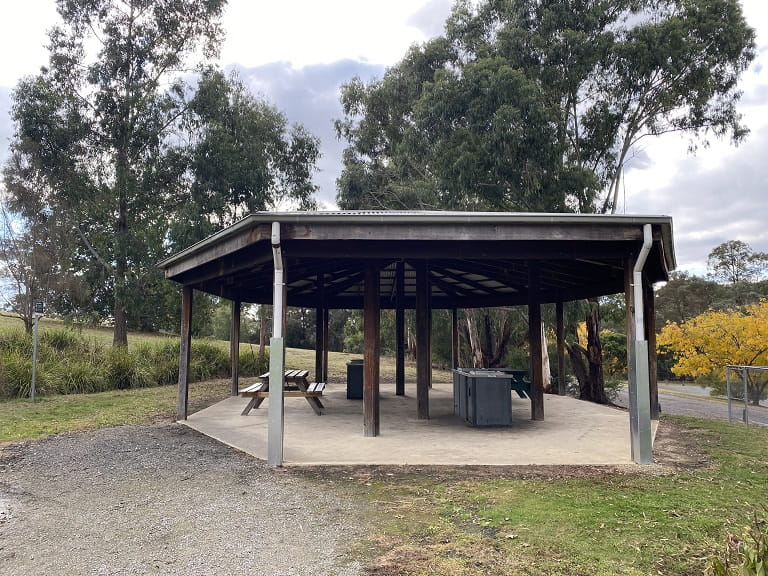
column 263, row 330
column 577, row 355
column 595, row 355
column 588, row 362
column 121, row 249
column 473, row 339
column 487, row 351
column 547, row 374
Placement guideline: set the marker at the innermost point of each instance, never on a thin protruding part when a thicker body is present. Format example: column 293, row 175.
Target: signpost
column 38, row 312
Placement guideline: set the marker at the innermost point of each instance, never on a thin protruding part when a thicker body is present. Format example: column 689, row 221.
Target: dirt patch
column 678, row 447
column 400, row 560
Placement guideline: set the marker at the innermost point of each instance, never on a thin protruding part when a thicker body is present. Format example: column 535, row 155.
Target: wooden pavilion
column 425, row 260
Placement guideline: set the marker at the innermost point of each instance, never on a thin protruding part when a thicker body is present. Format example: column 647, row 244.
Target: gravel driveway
column 166, row 500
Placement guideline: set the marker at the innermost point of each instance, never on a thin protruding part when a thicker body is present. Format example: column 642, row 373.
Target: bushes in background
column 69, row 363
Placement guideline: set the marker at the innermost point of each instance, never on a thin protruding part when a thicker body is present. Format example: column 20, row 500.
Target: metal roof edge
column 435, row 217
column 453, row 217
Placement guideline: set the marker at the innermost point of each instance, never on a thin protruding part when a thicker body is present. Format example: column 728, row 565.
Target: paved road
column 692, row 403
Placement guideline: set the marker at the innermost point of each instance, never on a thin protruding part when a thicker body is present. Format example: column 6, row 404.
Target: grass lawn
column 572, row 520
column 102, row 335
column 22, row 420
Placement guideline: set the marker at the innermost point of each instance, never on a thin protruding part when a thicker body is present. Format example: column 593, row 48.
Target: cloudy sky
column 297, row 53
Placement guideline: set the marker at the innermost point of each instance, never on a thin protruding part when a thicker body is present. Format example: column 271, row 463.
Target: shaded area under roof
column 474, row 259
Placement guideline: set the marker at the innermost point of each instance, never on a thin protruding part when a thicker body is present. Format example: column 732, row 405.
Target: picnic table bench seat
column 256, row 391
column 296, row 386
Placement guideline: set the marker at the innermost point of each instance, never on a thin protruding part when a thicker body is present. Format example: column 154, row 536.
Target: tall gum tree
column 96, row 121
column 538, row 105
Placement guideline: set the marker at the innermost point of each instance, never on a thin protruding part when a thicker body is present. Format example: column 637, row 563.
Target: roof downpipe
column 276, row 413
column 641, row 436
column 279, row 284
column 637, row 274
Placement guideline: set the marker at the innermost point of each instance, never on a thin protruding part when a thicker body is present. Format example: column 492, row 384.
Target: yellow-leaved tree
column 705, row 344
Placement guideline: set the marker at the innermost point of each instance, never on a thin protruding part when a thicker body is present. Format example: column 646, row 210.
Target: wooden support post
column 182, row 396
column 534, row 337
column 561, row 378
column 234, row 346
column 650, row 335
column 429, row 329
column 400, row 329
column 630, row 329
column 319, row 332
column 325, row 345
column 319, row 344
column 423, row 344
column 371, row 351
column 455, row 352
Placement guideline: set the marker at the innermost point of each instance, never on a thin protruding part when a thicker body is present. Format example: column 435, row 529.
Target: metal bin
column 354, row 380
column 482, row 397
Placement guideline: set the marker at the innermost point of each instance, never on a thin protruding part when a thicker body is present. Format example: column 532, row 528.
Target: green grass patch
column 22, row 420
column 599, row 523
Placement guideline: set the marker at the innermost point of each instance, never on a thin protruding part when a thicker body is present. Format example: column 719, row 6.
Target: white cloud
column 23, row 37
column 310, row 32
column 719, row 195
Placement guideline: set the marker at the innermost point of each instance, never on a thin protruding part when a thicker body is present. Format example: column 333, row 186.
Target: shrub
column 15, row 373
column 62, row 340
column 252, row 363
column 15, row 340
column 16, row 376
column 162, row 361
column 83, row 376
column 207, row 361
column 69, row 363
column 124, row 370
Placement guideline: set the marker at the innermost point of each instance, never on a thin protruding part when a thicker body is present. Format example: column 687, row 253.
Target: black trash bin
column 354, row 380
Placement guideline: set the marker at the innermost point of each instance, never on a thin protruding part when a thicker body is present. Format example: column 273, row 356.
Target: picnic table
column 296, row 385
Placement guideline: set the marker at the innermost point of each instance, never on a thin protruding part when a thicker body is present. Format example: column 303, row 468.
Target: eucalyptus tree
column 531, row 104
column 539, row 105
column 735, row 261
column 238, row 155
column 139, row 147
column 95, row 120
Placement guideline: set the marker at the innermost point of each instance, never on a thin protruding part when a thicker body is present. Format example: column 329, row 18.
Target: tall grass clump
column 15, row 340
column 252, row 363
column 83, row 376
column 162, row 359
column 207, row 361
column 15, row 374
column 63, row 340
column 125, row 370
column 70, row 363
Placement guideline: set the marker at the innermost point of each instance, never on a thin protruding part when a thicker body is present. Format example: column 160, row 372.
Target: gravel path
column 166, row 500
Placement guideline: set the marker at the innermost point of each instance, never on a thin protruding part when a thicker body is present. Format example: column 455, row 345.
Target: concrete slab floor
column 573, row 432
